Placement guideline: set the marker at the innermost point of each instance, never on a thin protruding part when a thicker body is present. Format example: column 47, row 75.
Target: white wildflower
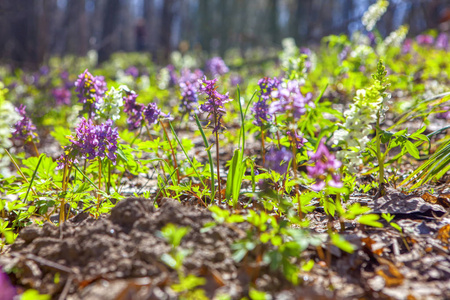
column 374, row 13
column 109, row 106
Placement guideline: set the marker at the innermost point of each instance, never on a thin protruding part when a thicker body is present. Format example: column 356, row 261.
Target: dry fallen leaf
column 390, row 273
column 444, row 234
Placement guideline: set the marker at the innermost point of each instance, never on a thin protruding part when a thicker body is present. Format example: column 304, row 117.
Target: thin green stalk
column 217, row 160
column 63, row 200
column 99, row 182
column 135, row 138
column 380, row 157
column 109, row 178
column 18, row 169
column 85, row 177
column 175, row 165
column 263, row 154
column 185, row 153
column 211, row 166
column 32, row 178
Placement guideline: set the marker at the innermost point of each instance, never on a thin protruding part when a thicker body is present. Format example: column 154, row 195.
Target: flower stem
column 19, row 170
column 160, row 163
column 63, row 200
column 99, row 182
column 278, row 134
column 175, row 165
column 217, row 159
column 35, row 148
column 262, row 146
column 380, row 157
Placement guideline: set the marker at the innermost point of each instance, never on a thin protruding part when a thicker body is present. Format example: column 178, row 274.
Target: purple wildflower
column 444, row 115
column 65, row 159
column 216, row 66
column 442, row 41
column 236, row 79
column 173, row 75
column 93, row 141
column 133, row 110
column 324, row 168
column 90, row 89
column 24, row 128
column 296, row 139
column 189, row 97
column 267, row 86
column 261, row 108
column 407, row 46
column 278, row 160
column 214, row 105
column 344, row 53
column 7, row 290
column 261, row 111
column 62, row 96
column 152, row 113
column 424, row 39
column 192, row 77
column 133, row 71
column 290, row 99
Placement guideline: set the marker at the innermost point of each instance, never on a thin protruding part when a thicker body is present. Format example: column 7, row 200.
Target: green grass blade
column 184, row 151
column 34, row 176
column 87, row 178
column 211, row 166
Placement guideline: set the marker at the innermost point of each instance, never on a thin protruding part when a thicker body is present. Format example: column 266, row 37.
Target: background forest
column 33, row 30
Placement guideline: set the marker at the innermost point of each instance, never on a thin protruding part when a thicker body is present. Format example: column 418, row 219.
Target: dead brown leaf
column 430, row 198
column 390, row 273
column 444, row 234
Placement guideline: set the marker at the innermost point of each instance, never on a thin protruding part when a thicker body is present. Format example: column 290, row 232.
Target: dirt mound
column 119, row 257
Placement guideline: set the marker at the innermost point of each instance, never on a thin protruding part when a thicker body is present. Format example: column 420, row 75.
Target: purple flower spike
column 152, row 113
column 133, row 71
column 216, row 66
column 7, row 290
column 278, row 160
column 297, row 139
column 424, row 39
column 189, row 97
column 133, row 110
column 290, row 99
column 442, row 41
column 90, row 89
column 92, row 141
column 62, row 96
column 407, row 46
column 24, row 128
column 261, row 111
column 261, row 108
column 214, row 105
column 63, row 160
column 325, row 166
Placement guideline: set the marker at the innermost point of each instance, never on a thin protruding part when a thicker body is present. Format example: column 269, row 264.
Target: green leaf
column 412, row 149
column 341, row 243
column 370, row 220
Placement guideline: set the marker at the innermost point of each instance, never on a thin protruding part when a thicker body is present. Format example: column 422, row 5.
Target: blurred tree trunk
column 165, row 37
column 23, row 34
column 205, row 26
column 274, row 29
column 74, row 29
column 109, row 40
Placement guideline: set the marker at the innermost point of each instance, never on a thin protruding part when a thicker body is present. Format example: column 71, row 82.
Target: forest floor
column 118, row 256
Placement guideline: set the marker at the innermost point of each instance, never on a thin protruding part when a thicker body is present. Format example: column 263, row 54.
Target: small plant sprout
column 214, row 106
